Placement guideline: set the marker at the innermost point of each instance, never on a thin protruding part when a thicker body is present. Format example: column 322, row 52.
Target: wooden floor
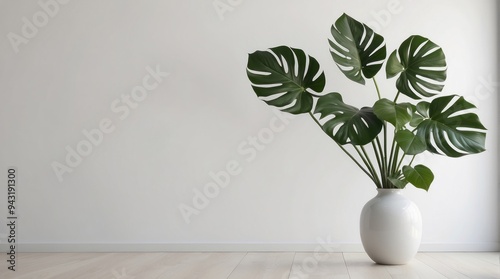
column 247, row 265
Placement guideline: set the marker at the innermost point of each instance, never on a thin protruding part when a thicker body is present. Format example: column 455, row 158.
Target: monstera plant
column 382, row 139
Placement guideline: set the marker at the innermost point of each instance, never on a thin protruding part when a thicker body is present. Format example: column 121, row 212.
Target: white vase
column 391, row 227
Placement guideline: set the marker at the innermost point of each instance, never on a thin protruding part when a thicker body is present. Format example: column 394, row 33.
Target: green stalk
column 401, row 161
column 368, row 162
column 377, row 156
column 396, row 98
column 411, row 162
column 365, row 160
column 396, row 155
column 385, row 154
column 346, row 152
column 392, row 157
column 383, row 159
column 376, row 87
column 383, row 151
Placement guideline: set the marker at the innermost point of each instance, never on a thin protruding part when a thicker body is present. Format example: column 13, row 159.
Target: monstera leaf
column 409, row 142
column 396, row 114
column 450, row 129
column 416, row 118
column 420, row 176
column 356, row 49
column 286, row 78
column 398, row 180
column 345, row 123
column 422, row 66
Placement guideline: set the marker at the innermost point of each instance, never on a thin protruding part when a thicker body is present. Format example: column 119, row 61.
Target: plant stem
column 401, row 161
column 385, row 154
column 384, row 173
column 396, row 98
column 379, row 159
column 411, row 162
column 376, row 87
column 392, row 157
column 366, row 159
column 382, row 160
column 396, row 155
column 346, row 152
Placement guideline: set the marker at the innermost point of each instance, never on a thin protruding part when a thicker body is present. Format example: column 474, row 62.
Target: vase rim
column 389, row 189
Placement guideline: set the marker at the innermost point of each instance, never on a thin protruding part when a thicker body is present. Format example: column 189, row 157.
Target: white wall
column 71, row 74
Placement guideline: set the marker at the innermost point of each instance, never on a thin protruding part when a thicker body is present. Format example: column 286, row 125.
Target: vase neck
column 386, row 191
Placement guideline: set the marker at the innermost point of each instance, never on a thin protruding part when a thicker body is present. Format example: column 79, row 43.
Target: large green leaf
column 409, row 142
column 396, row 114
column 420, row 176
column 356, row 49
column 345, row 123
column 422, row 66
column 286, row 78
column 398, row 180
column 451, row 128
column 416, row 117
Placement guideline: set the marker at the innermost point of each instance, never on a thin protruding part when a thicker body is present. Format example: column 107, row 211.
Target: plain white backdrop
column 118, row 115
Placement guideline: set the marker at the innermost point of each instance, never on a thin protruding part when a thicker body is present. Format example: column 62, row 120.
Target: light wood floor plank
column 319, row 266
column 203, row 266
column 468, row 264
column 126, row 265
column 284, row 265
column 112, row 265
column 48, row 265
column 96, row 265
column 148, row 265
column 445, row 270
column 491, row 257
column 415, row 269
column 263, row 266
column 360, row 266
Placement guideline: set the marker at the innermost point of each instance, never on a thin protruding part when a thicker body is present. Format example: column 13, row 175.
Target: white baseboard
column 235, row 247
column 460, row 247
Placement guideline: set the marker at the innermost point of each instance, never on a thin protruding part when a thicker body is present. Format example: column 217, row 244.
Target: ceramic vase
column 391, row 227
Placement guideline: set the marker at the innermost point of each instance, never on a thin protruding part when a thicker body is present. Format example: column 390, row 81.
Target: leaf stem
column 345, row 151
column 411, row 162
column 366, row 159
column 396, row 98
column 392, row 157
column 376, row 87
column 383, row 160
column 378, row 157
column 384, row 174
column 401, row 161
column 395, row 158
